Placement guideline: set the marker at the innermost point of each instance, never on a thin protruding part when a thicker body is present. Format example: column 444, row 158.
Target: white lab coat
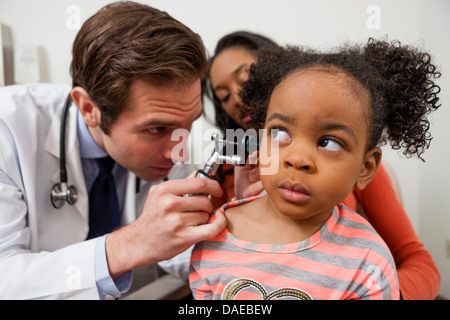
column 42, row 250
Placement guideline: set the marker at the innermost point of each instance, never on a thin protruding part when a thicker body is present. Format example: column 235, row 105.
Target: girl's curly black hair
column 399, row 80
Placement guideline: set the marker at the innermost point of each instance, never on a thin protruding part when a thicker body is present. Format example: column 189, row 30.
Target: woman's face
column 228, row 72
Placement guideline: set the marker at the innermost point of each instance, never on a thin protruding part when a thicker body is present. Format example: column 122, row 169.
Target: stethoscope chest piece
column 62, row 193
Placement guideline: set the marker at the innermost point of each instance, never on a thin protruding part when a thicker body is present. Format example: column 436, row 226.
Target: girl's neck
column 260, row 222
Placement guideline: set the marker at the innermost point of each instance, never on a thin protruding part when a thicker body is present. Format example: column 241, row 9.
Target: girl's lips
column 294, row 192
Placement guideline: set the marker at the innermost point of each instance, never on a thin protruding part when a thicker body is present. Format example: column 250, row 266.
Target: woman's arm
column 418, row 276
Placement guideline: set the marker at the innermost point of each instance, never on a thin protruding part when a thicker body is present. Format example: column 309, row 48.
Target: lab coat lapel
column 73, row 161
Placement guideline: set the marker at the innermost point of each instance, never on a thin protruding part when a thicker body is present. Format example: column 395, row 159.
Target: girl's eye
column 280, row 135
column 330, row 144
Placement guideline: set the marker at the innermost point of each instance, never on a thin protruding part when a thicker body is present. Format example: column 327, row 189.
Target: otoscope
column 240, row 150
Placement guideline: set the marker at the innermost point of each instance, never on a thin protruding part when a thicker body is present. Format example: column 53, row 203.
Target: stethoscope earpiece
column 60, row 191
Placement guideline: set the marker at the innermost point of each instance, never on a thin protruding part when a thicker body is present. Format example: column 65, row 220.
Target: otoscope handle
column 203, row 174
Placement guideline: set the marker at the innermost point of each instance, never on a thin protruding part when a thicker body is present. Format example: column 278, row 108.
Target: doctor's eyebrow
column 158, row 123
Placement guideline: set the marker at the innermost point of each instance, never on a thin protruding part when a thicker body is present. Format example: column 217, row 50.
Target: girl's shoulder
column 234, row 207
column 242, row 213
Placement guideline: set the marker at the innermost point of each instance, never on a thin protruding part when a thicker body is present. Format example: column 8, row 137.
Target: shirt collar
column 88, row 147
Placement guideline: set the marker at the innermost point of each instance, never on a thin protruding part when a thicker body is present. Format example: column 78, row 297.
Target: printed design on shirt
column 235, row 286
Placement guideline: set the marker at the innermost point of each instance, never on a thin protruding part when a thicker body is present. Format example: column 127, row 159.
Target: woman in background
column 418, row 276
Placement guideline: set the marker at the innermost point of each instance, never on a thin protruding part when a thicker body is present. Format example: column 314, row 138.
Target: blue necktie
column 104, row 213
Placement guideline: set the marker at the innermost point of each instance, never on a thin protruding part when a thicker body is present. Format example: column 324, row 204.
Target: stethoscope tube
column 62, row 142
column 61, row 192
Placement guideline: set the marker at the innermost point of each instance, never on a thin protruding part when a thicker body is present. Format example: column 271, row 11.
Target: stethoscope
column 61, row 191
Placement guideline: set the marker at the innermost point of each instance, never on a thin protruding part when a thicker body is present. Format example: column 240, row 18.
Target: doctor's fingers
column 208, row 230
column 195, row 203
column 193, row 211
column 188, row 219
column 181, row 187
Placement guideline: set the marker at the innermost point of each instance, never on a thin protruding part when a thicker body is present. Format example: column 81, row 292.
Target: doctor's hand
column 168, row 225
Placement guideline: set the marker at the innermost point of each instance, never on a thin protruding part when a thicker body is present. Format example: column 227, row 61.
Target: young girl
column 328, row 113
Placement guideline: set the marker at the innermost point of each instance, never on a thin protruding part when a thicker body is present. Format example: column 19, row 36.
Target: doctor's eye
column 156, row 130
column 281, row 135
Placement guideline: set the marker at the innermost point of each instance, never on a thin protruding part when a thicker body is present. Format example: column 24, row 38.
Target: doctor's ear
column 88, row 109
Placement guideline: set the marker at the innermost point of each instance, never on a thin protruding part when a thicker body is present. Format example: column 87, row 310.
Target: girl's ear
column 370, row 165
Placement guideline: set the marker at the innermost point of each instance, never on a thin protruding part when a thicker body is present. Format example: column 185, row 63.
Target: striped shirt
column 345, row 259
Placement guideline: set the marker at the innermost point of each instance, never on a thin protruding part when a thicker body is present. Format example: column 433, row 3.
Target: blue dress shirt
column 89, row 151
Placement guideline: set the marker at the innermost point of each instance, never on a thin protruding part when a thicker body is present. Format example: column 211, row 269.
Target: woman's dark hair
column 243, row 39
column 399, row 80
column 125, row 41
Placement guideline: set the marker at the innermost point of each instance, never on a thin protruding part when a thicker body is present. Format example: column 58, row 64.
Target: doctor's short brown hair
column 125, row 41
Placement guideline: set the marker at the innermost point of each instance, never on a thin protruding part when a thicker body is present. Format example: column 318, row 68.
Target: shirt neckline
column 287, row 248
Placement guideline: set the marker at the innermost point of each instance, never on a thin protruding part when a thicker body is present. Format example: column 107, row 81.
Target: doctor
column 136, row 78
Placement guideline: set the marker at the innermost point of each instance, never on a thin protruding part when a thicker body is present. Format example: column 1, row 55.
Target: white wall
column 434, row 175
column 52, row 25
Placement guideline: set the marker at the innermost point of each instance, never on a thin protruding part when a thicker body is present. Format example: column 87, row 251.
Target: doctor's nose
column 177, row 151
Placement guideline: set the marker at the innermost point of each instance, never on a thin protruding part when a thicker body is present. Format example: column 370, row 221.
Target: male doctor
column 136, row 78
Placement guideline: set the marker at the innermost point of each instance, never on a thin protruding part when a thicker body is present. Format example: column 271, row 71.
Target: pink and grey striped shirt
column 345, row 259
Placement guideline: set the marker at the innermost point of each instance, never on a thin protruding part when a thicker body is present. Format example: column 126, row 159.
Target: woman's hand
column 246, row 179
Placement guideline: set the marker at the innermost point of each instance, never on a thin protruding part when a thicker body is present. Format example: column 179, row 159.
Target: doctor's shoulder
column 43, row 96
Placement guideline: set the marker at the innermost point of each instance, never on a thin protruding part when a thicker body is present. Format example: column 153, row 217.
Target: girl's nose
column 300, row 157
